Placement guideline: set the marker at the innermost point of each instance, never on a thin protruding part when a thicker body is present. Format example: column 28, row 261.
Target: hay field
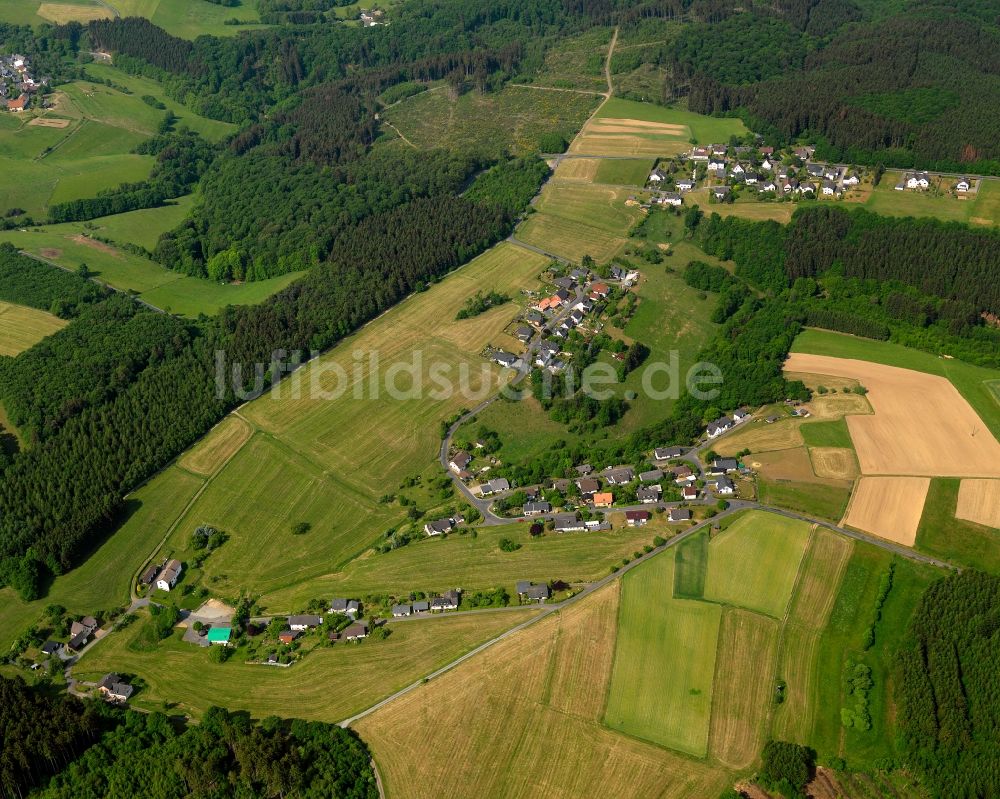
column 753, row 563
column 835, row 463
column 822, row 568
column 22, row 327
column 331, row 683
column 979, row 501
column 662, row 682
column 744, row 682
column 523, row 719
column 761, row 437
column 942, row 436
column 787, row 464
column 61, row 13
column 631, row 172
column 577, row 169
column 220, row 444
column 889, row 507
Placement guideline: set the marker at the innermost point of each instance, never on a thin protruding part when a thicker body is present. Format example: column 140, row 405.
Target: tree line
column 25, row 281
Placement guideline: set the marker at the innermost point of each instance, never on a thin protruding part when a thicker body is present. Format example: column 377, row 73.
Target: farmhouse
column 219, row 635
column 400, row 611
column 535, row 508
column 439, row 527
column 149, row 575
column 679, row 515
column 568, row 523
column 19, row 104
column 648, row 494
column 355, row 632
column 169, row 576
column 719, row 426
column 459, row 461
column 666, row 453
column 346, row 607
column 113, row 689
column 637, row 518
column 304, row 622
column 528, row 590
column 619, row 476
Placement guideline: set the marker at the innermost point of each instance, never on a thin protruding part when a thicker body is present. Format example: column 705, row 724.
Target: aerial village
column 17, row 84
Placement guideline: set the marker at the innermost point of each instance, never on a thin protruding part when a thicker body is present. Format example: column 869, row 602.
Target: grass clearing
column 959, row 541
column 524, row 717
column 577, row 169
column 184, row 674
column 754, row 562
column 744, row 682
column 662, row 681
column 811, row 498
column 827, row 434
column 977, row 384
column 515, row 117
column 22, row 327
column 691, row 567
column 64, row 13
column 631, row 172
column 704, row 128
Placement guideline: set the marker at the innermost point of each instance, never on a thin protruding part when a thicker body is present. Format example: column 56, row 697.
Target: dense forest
column 948, row 697
column 28, row 282
column 915, row 88
column 62, row 746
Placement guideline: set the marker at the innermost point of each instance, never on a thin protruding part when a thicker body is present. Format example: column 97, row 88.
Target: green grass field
column 662, row 679
column 703, row 128
column 827, row 434
column 189, row 19
column 956, row 540
column 814, row 499
column 938, row 202
column 754, row 562
column 102, row 581
column 25, row 12
column 628, row 172
column 515, row 118
column 978, row 385
column 21, row 327
column 184, row 675
column 691, row 567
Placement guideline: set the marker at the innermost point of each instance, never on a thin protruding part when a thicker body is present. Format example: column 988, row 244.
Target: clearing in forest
column 889, row 507
column 22, row 327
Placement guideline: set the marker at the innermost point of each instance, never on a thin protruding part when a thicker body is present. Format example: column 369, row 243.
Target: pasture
column 515, row 117
column 940, row 202
column 629, row 172
column 947, row 438
column 942, row 534
column 815, row 498
column 220, row 444
column 330, row 683
column 548, row 684
column 190, row 19
column 577, row 169
column 22, row 327
column 978, row 385
column 827, row 434
column 662, row 681
column 64, row 13
column 753, row 563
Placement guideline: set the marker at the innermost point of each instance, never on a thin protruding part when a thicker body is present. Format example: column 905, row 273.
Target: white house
column 700, row 154
column 738, row 168
column 459, row 461
column 299, row 623
column 656, row 176
column 964, row 184
column 685, row 184
column 670, row 198
column 169, row 576
column 851, row 179
column 917, row 180
column 766, row 165
column 718, row 167
column 719, row 426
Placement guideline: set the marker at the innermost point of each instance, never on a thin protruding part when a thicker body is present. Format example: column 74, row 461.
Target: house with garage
column 459, row 461
column 447, row 601
column 51, row 648
column 421, row 606
column 700, row 154
column 637, row 518
column 684, row 475
column 170, row 574
column 532, row 592
column 815, row 170
column 851, row 179
column 679, row 515
column 648, row 494
column 536, row 508
column 439, row 527
column 830, row 188
column 918, row 180
column 345, row 607
column 114, row 689
column 523, row 334
column 720, row 192
column 685, row 184
column 587, row 486
column 304, row 622
column 568, row 523
column 507, row 360
column 670, row 198
column 766, row 185
column 19, row 104
column 495, row 486
column 717, row 168
column 657, row 176
column 751, row 178
column 401, row 611
column 666, row 453
column 741, row 415
column 723, row 466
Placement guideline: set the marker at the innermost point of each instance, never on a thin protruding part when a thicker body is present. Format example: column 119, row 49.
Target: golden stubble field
column 889, row 507
column 979, row 501
column 523, row 719
column 921, row 426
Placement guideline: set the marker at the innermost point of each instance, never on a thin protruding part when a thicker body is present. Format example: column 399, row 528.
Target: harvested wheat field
column 577, row 169
column 921, row 425
column 760, row 437
column 744, row 680
column 889, row 507
column 222, row 442
column 979, row 501
column 787, row 464
column 62, row 14
column 522, row 719
column 617, row 125
column 836, row 463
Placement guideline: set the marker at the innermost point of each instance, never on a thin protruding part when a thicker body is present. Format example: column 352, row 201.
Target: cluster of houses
column 17, row 83
column 372, row 17
column 449, row 600
column 81, row 633
column 724, row 423
column 920, row 181
column 753, row 167
column 164, row 577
